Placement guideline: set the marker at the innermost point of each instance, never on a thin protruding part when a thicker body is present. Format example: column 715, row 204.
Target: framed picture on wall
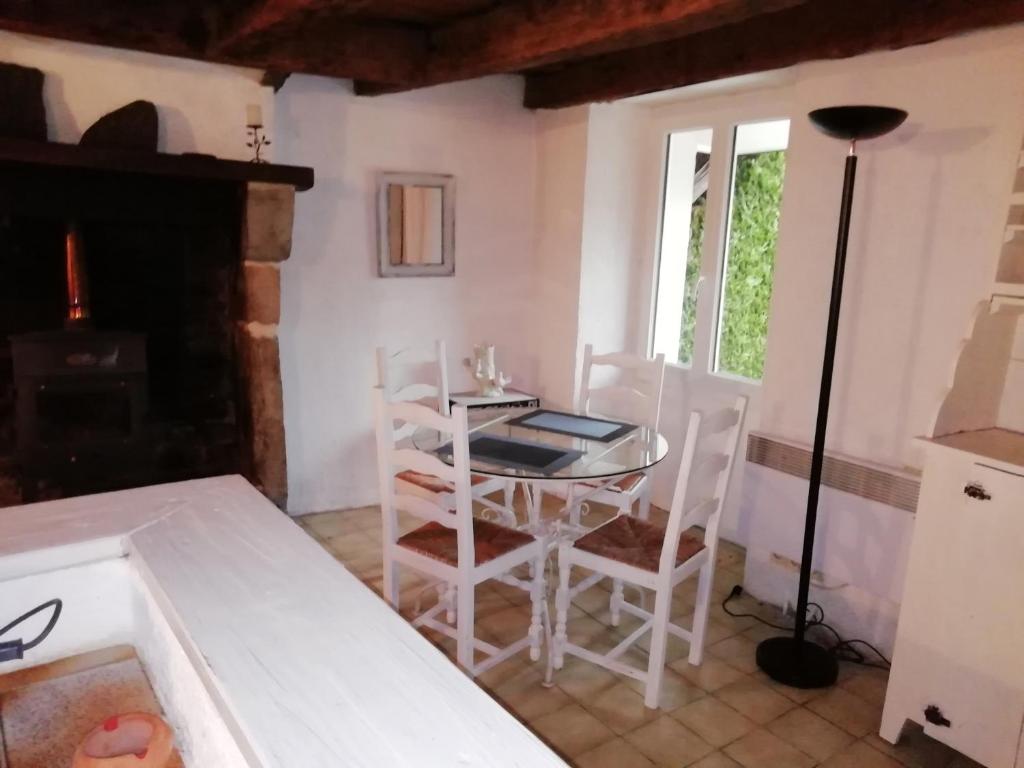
column 416, row 224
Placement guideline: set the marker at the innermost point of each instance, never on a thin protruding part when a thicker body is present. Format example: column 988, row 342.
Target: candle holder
column 257, row 141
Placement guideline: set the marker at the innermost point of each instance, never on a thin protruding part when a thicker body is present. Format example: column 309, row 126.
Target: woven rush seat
column 622, row 485
column 432, row 483
column 441, row 543
column 635, row 542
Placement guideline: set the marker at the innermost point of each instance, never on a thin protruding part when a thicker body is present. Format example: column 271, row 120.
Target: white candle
column 253, row 114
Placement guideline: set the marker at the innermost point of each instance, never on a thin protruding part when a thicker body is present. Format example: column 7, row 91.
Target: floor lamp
column 797, row 661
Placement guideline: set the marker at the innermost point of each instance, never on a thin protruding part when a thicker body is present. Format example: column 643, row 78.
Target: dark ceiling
column 570, row 51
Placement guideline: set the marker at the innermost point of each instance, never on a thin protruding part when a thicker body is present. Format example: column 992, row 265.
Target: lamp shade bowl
column 854, row 123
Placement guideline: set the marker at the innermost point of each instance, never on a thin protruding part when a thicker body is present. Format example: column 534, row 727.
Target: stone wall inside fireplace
column 192, row 264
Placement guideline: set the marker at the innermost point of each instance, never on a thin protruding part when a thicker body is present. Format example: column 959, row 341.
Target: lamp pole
column 795, row 660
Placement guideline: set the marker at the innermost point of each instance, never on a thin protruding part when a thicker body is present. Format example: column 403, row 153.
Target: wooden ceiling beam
column 514, row 36
column 334, row 46
column 820, row 30
column 176, row 29
column 261, row 17
column 321, row 37
column 522, row 35
column 377, row 52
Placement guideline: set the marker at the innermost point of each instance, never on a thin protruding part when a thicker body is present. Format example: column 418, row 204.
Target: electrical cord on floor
column 15, row 649
column 843, row 650
column 736, row 592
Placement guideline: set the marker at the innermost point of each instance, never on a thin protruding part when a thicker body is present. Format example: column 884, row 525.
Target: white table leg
column 534, row 496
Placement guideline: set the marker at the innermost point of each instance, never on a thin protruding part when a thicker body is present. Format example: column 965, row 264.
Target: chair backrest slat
column 393, row 366
column 392, row 459
column 700, row 467
column 420, row 415
column 424, row 463
column 634, row 394
column 707, row 467
column 417, row 393
column 423, row 509
column 719, row 421
column 700, row 513
column 619, row 360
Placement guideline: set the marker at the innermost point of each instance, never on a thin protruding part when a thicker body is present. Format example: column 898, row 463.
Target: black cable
column 15, row 649
column 846, row 646
column 843, row 650
column 736, row 592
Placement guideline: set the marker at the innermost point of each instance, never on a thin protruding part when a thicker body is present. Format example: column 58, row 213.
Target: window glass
column 748, row 263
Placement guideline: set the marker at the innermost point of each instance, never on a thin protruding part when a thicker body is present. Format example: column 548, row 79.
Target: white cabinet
column 958, row 666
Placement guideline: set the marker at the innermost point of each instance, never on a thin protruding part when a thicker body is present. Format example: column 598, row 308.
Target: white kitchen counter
column 306, row 666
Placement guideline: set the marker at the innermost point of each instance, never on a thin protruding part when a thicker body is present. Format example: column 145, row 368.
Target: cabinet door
column 962, row 622
column 982, row 687
column 989, row 560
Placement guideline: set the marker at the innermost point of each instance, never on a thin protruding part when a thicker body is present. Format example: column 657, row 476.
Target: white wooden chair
column 455, row 548
column 633, row 393
column 429, row 386
column 648, row 556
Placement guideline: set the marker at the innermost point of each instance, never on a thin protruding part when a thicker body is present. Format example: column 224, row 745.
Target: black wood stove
column 80, row 397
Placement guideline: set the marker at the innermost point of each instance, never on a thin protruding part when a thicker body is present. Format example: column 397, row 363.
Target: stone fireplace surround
column 265, row 242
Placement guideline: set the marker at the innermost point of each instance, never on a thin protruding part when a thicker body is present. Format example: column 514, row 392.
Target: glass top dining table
column 620, row 451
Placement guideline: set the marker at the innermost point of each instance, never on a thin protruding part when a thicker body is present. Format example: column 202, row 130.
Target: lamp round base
column 799, row 665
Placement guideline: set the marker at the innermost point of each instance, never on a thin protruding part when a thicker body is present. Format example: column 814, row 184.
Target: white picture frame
column 434, row 231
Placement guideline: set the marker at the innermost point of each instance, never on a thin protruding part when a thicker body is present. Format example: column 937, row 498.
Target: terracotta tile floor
column 722, row 714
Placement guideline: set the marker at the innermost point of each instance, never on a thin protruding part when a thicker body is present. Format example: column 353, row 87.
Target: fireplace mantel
column 186, row 166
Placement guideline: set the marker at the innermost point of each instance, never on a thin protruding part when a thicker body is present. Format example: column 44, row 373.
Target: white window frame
column 720, row 114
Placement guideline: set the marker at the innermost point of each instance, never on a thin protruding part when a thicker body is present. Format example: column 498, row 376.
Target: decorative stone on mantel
column 266, row 241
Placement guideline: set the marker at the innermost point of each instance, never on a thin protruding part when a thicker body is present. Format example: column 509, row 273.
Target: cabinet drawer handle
column 976, row 491
column 934, row 716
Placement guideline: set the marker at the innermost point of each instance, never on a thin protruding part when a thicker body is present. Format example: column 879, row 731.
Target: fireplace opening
column 80, row 415
column 118, row 367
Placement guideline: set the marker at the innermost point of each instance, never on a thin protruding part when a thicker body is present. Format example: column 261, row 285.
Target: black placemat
column 517, row 454
column 561, row 423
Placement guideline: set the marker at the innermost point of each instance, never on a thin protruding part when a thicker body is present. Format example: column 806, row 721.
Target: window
column 682, row 236
column 748, row 264
column 729, row 238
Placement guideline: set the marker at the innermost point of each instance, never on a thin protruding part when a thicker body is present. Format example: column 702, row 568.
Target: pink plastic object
column 134, row 740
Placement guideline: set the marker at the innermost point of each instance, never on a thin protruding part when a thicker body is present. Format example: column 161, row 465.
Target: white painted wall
column 590, row 201
column 612, row 206
column 336, row 310
column 928, row 217
column 201, row 106
column 561, row 180
column 929, row 210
